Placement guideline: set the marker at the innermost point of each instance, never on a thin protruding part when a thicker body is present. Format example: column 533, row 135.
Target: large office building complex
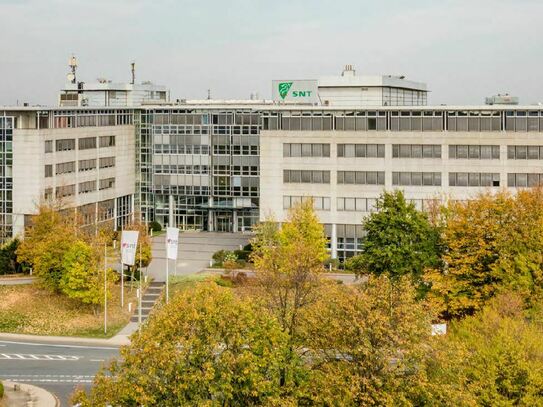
column 226, row 165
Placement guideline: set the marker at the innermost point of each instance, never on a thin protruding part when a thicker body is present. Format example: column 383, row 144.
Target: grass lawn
column 29, row 309
column 181, row 283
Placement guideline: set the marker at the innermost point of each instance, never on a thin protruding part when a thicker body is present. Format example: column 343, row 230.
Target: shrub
column 1, row 390
column 155, row 226
column 219, row 257
column 8, row 258
column 242, row 254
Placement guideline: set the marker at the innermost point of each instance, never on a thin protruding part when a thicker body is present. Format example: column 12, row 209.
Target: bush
column 219, row 257
column 242, row 254
column 155, row 226
column 8, row 258
column 248, row 247
column 1, row 390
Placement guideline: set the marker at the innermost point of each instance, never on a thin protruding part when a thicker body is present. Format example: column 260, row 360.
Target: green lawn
column 29, row 309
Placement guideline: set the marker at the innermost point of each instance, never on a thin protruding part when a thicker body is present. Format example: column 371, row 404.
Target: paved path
column 17, row 280
column 195, row 251
column 57, row 367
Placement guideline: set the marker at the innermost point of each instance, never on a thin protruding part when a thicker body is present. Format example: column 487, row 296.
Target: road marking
column 96, row 360
column 38, row 380
column 23, row 356
column 58, row 345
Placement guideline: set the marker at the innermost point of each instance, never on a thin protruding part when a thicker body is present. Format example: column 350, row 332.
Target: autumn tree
column 366, row 342
column 83, row 277
column 288, row 262
column 399, row 240
column 47, row 239
column 492, row 358
column 205, row 348
column 493, row 243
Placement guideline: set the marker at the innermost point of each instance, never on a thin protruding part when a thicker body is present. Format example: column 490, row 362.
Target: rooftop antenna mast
column 72, row 63
column 209, row 94
column 133, row 67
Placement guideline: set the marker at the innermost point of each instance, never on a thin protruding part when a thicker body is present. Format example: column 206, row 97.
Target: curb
column 116, row 341
column 38, row 397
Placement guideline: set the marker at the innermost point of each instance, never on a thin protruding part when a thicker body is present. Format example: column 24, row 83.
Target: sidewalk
column 28, row 395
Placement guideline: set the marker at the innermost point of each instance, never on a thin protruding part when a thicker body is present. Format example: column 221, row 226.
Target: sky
column 463, row 49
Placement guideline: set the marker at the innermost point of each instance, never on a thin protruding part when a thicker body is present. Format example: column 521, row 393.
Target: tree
column 492, row 358
column 493, row 243
column 206, row 347
column 399, row 240
column 83, row 279
column 8, row 258
column 365, row 344
column 288, row 262
column 49, row 237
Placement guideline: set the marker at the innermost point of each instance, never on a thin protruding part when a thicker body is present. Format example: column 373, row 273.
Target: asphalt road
column 59, row 368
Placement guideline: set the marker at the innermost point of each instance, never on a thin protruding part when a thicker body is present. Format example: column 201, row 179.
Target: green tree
column 206, row 347
column 399, row 240
column 491, row 359
column 8, row 258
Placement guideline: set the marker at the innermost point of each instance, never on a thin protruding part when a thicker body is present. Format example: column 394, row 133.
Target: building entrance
column 224, row 222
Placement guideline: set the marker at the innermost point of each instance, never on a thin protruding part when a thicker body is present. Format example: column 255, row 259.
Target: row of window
column 83, row 143
column 236, row 170
column 306, row 176
column 84, row 165
column 461, row 151
column 84, row 187
column 235, row 150
column 181, row 169
column 320, row 203
column 306, row 150
column 456, row 179
column 181, row 149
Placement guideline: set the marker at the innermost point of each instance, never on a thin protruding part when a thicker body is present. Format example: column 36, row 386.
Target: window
column 474, row 152
column 107, row 141
column 87, row 143
column 306, row 150
column 86, row 187
column 107, row 162
column 518, row 180
column 474, row 179
column 65, row 144
column 416, row 178
column 66, row 190
column 48, row 170
column 48, row 146
column 320, row 203
column 525, row 152
column 361, row 150
column 416, row 151
column 356, row 204
column 107, row 183
column 306, row 176
column 65, row 168
column 87, row 165
column 361, row 177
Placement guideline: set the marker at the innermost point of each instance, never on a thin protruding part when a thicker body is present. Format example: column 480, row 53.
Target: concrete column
column 115, row 213
column 333, row 241
column 235, row 222
column 170, row 211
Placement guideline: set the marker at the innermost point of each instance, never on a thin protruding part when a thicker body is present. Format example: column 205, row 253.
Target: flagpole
column 105, row 288
column 140, row 295
column 122, row 285
column 167, row 280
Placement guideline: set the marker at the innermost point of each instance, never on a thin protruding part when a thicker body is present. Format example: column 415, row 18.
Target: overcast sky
column 463, row 49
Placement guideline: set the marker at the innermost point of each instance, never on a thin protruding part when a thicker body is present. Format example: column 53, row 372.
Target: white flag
column 129, row 243
column 172, row 241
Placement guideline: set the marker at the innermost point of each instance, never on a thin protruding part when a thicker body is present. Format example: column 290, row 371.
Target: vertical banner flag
column 172, row 240
column 129, row 242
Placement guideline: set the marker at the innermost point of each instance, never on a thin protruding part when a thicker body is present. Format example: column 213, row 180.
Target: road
column 59, row 368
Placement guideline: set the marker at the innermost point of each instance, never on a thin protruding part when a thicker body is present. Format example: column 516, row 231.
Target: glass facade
column 198, row 168
column 6, row 177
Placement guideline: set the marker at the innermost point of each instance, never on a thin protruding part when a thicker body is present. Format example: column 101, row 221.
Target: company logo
column 172, row 241
column 129, row 245
column 284, row 87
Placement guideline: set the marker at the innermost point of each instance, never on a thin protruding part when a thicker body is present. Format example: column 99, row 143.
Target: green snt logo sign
column 284, row 88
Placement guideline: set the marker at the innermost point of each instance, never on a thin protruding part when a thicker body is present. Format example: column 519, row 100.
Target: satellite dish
column 70, row 77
